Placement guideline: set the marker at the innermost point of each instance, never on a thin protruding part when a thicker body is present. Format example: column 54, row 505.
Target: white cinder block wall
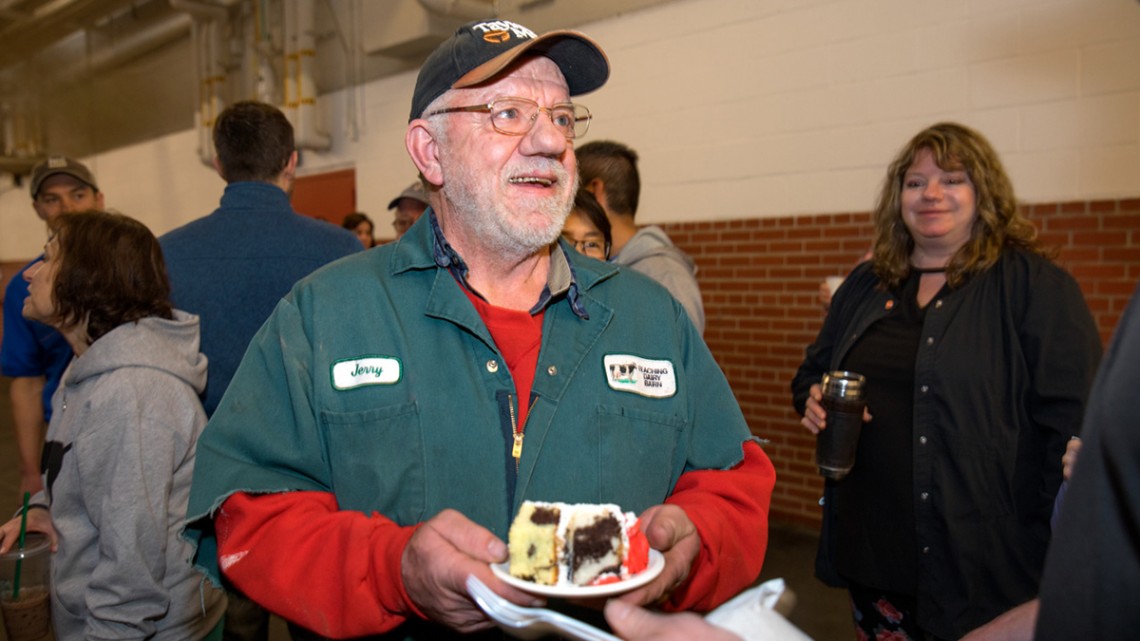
column 762, row 108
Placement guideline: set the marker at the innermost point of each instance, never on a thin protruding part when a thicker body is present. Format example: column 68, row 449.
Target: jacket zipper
column 516, row 449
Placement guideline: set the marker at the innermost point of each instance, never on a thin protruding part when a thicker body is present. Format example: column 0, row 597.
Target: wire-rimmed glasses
column 516, row 116
column 589, row 247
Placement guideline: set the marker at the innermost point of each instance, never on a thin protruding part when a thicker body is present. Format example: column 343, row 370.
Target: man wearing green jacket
column 399, row 405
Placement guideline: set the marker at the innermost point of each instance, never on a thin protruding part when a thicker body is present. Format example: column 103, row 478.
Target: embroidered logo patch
column 644, row 376
column 500, row 31
column 372, row 370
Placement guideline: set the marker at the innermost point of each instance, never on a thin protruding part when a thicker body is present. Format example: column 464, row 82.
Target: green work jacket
column 375, row 379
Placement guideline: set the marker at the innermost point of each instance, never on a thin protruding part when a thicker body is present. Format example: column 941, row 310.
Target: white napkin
column 750, row 615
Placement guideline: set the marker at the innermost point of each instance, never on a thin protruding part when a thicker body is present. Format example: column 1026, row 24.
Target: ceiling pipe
column 49, row 24
column 208, row 19
column 139, row 42
column 474, row 9
column 465, row 9
column 300, row 88
column 19, row 165
column 200, row 10
column 202, row 86
column 134, row 44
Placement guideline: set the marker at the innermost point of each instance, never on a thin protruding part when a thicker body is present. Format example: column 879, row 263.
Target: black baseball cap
column 480, row 50
column 60, row 165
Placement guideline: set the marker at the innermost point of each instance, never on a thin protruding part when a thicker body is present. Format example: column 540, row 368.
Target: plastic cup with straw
column 20, row 561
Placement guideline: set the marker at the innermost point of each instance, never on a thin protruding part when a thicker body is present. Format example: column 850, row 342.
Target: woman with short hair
column 120, row 448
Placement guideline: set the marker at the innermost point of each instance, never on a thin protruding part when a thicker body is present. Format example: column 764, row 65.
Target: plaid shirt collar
column 560, row 281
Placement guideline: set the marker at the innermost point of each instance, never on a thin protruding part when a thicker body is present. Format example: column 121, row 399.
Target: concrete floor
column 820, row 611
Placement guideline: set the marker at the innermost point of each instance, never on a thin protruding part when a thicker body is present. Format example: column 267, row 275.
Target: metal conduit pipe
column 207, row 18
column 308, row 134
column 200, row 10
column 130, row 46
column 466, row 9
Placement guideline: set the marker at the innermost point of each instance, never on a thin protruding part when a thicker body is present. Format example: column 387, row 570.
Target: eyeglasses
column 516, row 116
column 591, row 248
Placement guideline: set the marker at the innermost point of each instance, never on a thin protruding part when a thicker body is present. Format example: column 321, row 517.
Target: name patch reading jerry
column 644, row 376
column 372, row 370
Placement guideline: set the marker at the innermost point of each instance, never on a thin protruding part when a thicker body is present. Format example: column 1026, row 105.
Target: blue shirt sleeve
column 31, row 348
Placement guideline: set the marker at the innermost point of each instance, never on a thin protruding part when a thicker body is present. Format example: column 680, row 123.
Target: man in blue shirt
column 231, row 267
column 32, row 353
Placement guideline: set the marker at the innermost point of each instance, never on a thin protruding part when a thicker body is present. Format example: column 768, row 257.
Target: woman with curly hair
column 120, row 447
column 978, row 352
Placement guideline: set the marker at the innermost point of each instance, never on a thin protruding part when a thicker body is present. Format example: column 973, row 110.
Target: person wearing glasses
column 399, row 405
column 587, row 229
column 408, row 207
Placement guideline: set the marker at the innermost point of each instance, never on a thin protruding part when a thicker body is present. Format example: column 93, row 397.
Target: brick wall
column 760, row 278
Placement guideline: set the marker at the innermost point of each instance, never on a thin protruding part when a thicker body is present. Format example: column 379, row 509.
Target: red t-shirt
column 518, row 335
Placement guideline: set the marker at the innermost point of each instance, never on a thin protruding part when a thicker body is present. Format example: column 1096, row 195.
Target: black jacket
column 1003, row 372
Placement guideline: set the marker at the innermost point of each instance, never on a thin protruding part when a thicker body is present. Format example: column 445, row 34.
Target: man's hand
column 669, row 530
column 435, row 565
column 636, row 624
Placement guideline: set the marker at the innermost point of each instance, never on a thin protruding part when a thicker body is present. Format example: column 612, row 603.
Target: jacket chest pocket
column 638, row 452
column 376, row 460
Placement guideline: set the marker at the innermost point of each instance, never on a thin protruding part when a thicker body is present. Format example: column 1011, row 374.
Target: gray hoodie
column 118, row 461
column 651, row 252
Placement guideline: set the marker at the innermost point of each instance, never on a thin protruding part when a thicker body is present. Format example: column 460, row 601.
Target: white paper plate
column 656, row 564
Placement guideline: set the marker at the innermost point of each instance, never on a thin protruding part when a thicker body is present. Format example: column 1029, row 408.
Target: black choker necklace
column 928, row 270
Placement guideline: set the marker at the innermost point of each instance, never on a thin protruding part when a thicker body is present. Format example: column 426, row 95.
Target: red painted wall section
column 329, row 197
column 759, row 279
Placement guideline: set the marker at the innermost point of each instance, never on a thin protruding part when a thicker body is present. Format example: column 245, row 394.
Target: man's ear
column 597, row 187
column 290, row 171
column 218, row 166
column 424, row 151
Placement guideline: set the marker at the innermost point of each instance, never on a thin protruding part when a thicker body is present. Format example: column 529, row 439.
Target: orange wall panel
column 329, row 197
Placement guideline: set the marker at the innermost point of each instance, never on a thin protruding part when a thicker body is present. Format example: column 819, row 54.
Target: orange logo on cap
column 497, row 37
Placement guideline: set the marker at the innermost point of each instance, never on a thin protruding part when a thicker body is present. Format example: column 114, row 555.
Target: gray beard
column 496, row 232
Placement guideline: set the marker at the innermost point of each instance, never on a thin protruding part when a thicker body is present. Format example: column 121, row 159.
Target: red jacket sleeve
column 730, row 511
column 334, row 572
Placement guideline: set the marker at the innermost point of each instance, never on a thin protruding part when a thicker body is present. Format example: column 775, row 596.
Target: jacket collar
column 424, row 246
column 255, row 195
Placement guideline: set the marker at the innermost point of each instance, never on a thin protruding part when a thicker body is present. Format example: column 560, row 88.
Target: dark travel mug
column 843, row 400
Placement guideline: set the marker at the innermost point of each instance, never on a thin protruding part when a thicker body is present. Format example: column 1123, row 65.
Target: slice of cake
column 532, row 546
column 581, row 544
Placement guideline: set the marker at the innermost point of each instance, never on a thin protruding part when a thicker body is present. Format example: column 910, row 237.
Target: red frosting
column 638, row 557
